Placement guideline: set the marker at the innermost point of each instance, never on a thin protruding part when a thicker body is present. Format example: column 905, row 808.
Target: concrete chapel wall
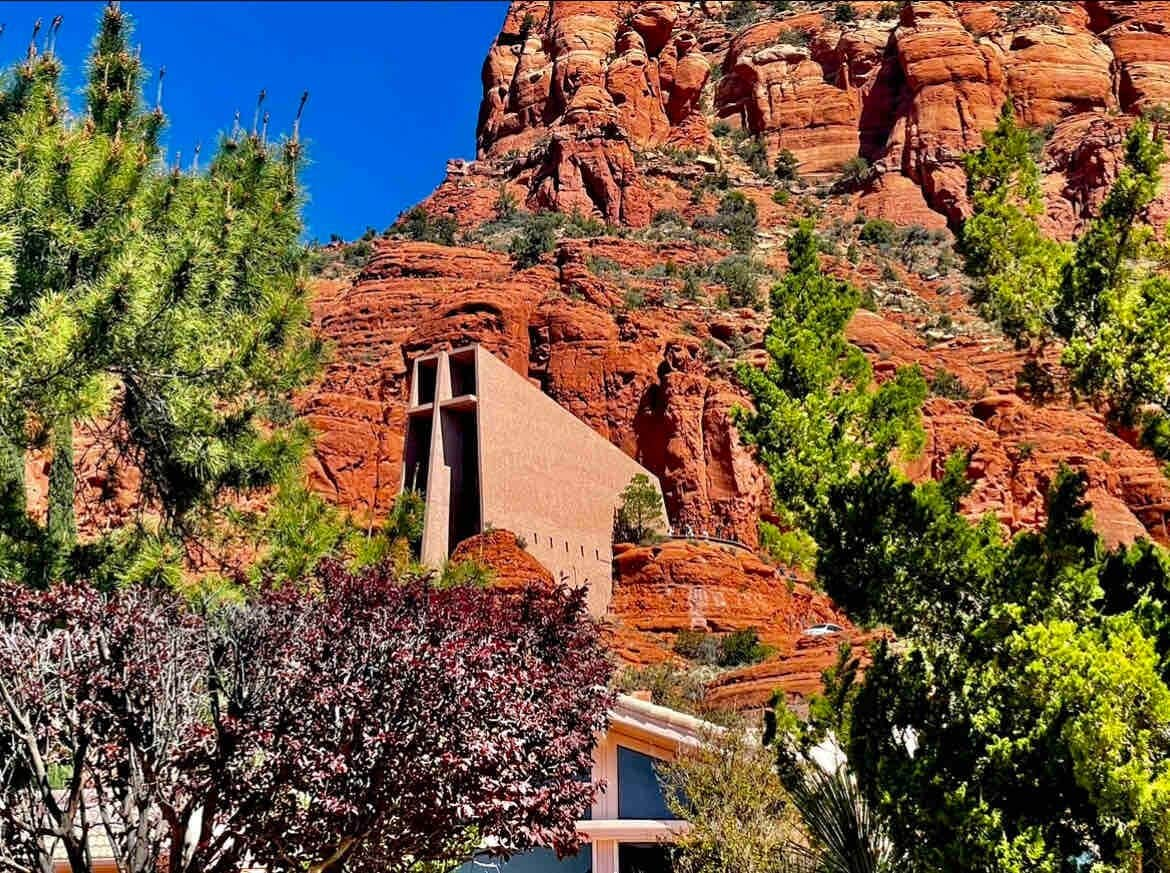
column 542, row 473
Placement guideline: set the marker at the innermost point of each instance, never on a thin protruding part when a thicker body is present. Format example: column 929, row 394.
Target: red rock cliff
column 607, row 110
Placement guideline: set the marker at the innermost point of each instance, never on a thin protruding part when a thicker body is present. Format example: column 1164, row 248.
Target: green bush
column 634, row 299
column 696, row 645
column 418, row 224
column 668, row 684
column 879, row 232
column 506, row 203
column 536, row 238
column 740, row 275
column 787, row 168
column 844, row 13
column 599, row 265
column 793, row 37
column 755, row 154
column 1159, row 113
column 737, row 217
column 668, row 216
column 720, row 129
column 692, row 288
column 471, row 571
column 888, row 12
column 855, row 172
column 1031, row 12
column 721, row 650
column 357, row 254
column 946, row 384
column 1036, row 381
column 578, row 226
column 1156, row 435
column 741, row 14
column 742, row 647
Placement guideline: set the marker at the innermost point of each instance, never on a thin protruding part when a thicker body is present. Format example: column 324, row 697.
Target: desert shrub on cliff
column 843, row 13
column 787, row 167
column 669, row 685
column 740, row 275
column 1029, row 12
column 793, row 37
column 418, row 224
column 732, row 649
column 506, row 203
column 741, row 13
column 537, row 238
column 125, row 300
column 946, row 384
column 855, row 172
column 754, row 153
column 879, row 232
column 737, row 217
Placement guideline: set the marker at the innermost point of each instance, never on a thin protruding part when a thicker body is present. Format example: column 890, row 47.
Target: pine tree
column 168, row 304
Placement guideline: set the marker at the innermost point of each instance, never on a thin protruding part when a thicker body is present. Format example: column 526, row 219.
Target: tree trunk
column 62, row 485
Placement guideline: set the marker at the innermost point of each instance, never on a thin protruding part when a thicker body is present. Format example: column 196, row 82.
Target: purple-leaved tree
column 370, row 724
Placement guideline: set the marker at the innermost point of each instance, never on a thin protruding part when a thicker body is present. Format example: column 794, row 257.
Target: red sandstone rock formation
column 504, row 554
column 575, row 92
column 691, row 585
column 590, row 107
column 635, row 377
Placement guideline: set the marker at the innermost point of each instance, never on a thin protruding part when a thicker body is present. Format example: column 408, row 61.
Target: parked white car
column 823, row 630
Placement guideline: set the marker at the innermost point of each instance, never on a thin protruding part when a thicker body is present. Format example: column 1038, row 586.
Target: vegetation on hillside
column 1106, row 296
column 1022, row 722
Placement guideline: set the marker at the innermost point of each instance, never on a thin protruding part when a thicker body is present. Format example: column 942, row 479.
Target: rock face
column 635, row 377
column 500, row 550
column 581, row 89
column 691, row 585
column 620, row 111
column 596, row 80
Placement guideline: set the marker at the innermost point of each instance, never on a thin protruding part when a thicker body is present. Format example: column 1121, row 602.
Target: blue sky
column 394, row 87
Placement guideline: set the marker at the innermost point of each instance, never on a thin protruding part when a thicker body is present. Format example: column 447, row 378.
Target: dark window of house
column 639, row 791
column 643, row 858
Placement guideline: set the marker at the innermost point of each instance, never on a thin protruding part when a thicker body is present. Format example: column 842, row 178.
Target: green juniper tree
column 1017, row 266
column 1104, row 296
column 168, row 305
column 818, row 415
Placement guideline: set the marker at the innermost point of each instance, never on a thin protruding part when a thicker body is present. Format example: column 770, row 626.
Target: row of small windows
column 552, row 545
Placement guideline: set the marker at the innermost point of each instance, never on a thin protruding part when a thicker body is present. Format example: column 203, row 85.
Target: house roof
column 659, row 723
